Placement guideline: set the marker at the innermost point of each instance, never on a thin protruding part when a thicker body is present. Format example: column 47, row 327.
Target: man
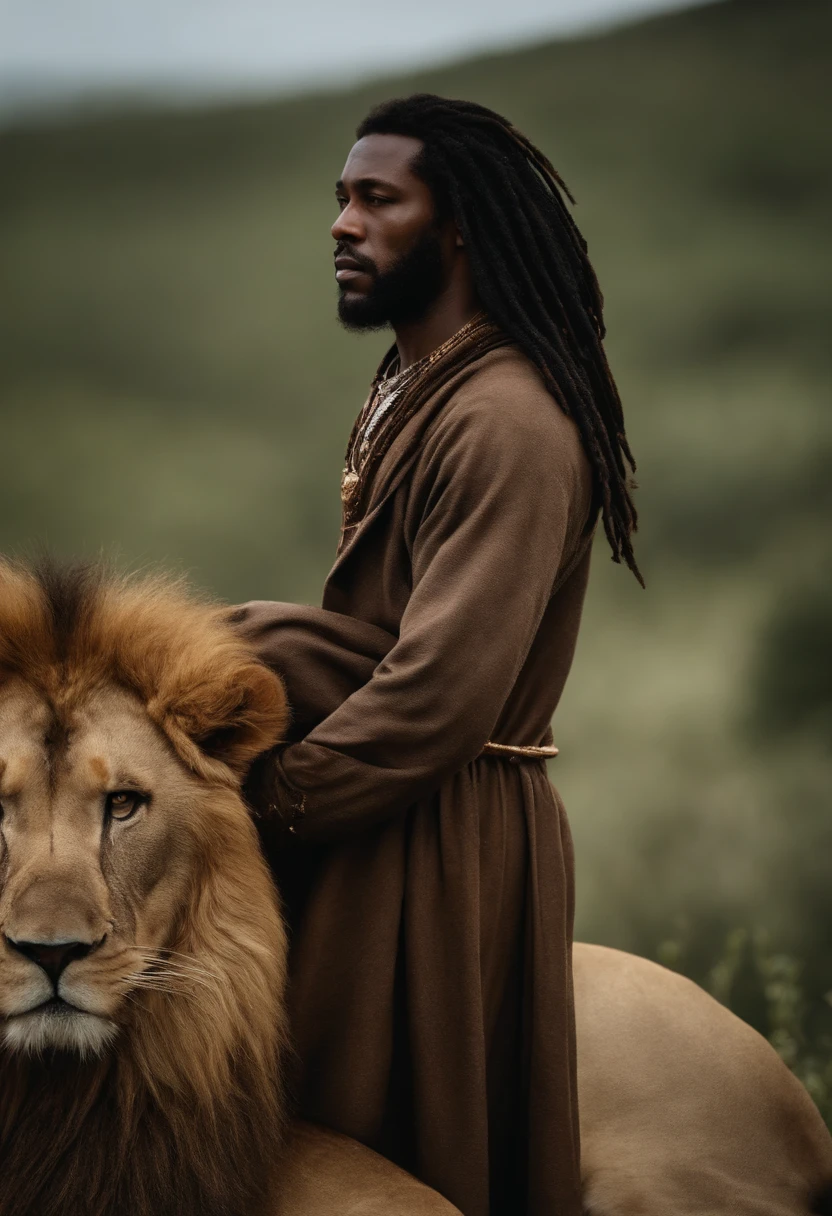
column 429, row 871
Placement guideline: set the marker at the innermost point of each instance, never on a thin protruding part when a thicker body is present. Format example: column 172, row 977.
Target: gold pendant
column 349, row 486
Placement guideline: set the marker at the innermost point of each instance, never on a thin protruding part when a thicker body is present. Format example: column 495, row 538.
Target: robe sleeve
column 321, row 656
column 496, row 489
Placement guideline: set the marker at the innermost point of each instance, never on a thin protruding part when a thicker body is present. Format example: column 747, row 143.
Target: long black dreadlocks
column 530, row 269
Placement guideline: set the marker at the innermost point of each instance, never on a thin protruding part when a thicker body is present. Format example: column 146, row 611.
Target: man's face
column 392, row 255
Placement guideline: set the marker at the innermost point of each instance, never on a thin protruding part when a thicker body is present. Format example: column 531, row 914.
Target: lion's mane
column 185, row 1114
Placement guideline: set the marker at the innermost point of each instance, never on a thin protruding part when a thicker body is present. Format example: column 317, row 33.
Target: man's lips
column 347, row 269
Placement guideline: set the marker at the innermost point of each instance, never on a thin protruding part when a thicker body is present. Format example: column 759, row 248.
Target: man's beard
column 402, row 294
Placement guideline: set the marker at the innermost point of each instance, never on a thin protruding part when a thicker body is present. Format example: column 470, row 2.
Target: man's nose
column 348, row 226
column 53, row 957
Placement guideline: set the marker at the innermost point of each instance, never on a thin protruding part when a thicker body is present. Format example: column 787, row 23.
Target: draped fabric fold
column 323, row 657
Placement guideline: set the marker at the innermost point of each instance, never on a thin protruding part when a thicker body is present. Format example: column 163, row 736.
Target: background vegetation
column 174, row 388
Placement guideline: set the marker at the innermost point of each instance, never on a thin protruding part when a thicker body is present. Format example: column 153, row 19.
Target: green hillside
column 174, row 387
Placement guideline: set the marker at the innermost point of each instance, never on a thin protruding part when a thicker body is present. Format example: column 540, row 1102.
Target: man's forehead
column 382, row 158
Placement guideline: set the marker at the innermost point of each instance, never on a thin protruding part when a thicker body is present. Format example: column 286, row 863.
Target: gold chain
column 385, row 392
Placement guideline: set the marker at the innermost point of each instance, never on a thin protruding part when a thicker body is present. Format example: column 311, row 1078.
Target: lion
column 143, row 1032
column 143, row 954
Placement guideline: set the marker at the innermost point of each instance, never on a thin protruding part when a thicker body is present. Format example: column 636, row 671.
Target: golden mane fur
column 69, row 631
column 185, row 1112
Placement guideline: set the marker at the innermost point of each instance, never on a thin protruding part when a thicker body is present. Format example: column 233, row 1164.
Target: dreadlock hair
column 530, row 270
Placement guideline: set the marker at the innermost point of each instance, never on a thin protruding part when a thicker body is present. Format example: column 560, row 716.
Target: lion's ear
column 255, row 722
column 217, row 727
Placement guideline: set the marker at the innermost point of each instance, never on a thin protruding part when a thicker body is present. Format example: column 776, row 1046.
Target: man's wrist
column 287, row 801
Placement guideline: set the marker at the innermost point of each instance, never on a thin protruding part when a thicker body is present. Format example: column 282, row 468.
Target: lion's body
column 685, row 1108
column 685, row 1111
column 141, row 1073
column 324, row 1174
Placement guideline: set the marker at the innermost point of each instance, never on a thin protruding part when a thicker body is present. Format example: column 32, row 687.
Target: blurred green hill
column 174, row 388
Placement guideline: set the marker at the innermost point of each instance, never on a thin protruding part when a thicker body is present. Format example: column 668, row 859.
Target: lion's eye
column 123, row 804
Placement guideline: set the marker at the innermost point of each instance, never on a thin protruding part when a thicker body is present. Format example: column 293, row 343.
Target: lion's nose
column 53, row 957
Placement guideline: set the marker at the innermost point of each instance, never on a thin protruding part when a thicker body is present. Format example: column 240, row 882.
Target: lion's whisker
column 161, row 951
column 171, row 982
column 185, row 966
column 181, row 975
column 140, row 981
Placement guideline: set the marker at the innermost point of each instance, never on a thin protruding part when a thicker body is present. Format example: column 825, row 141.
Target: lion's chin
column 59, row 1027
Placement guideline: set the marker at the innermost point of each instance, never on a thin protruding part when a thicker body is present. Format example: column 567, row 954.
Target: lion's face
column 98, row 850
column 138, row 918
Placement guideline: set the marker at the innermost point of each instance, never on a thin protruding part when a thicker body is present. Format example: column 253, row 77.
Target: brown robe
column 430, row 889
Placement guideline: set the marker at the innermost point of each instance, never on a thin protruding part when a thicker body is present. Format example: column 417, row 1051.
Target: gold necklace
column 387, row 390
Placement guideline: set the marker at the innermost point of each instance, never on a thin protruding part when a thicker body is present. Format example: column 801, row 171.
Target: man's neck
column 448, row 315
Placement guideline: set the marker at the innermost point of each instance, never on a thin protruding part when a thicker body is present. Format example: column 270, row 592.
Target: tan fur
column 178, row 1107
column 194, row 675
column 324, row 1174
column 684, row 1108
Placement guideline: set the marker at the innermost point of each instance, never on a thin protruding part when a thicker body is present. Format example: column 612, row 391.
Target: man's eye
column 376, row 200
column 123, row 804
column 341, row 201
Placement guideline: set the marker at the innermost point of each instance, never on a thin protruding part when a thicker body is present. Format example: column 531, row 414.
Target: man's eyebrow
column 368, row 183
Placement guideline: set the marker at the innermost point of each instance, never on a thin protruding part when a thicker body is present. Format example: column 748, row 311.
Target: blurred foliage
column 791, row 685
column 174, row 388
column 767, row 989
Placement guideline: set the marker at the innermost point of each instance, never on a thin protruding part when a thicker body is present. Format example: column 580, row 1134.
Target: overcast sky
column 48, row 47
